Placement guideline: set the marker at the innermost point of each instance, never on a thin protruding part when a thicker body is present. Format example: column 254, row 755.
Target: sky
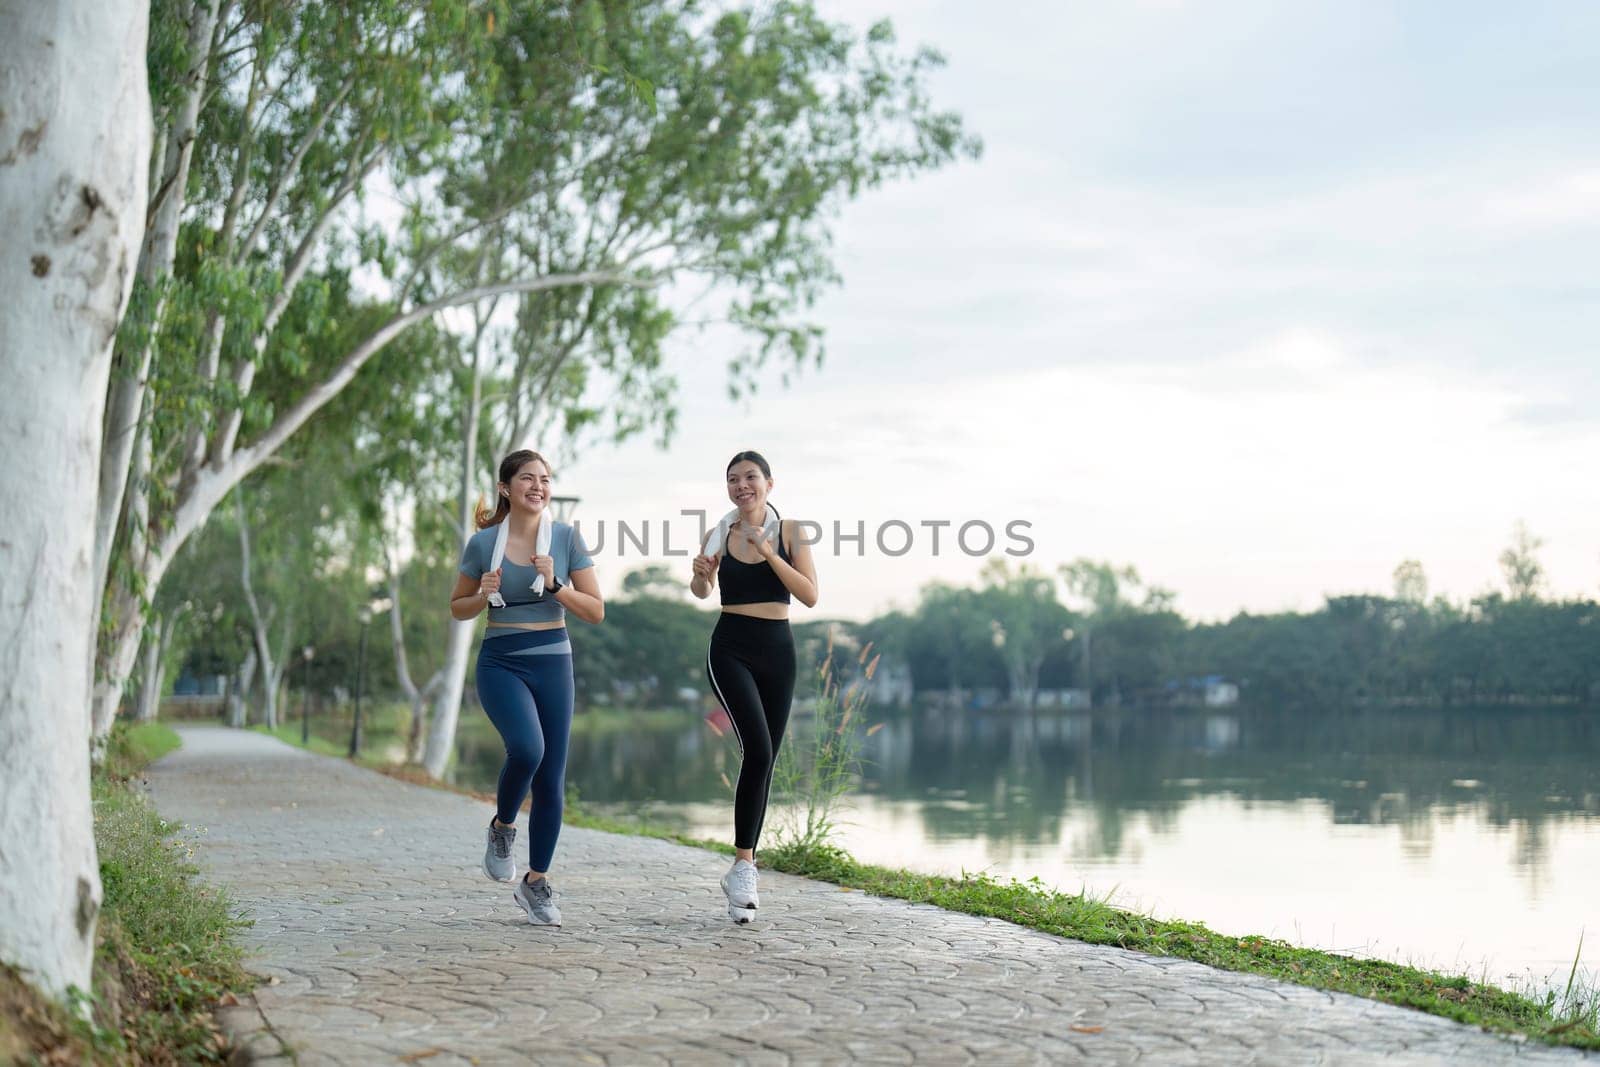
column 1258, row 299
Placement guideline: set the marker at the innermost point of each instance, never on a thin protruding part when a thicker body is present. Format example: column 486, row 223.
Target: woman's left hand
column 546, row 565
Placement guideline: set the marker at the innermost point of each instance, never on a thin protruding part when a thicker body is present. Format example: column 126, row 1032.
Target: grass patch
column 135, row 747
column 165, row 951
column 1086, row 918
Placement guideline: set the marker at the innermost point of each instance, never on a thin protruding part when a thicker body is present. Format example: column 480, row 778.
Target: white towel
column 719, row 536
column 541, row 547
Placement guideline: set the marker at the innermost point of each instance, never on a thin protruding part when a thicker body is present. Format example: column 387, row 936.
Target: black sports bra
column 752, row 583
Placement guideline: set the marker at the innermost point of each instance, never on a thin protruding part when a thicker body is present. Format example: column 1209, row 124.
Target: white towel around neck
column 541, row 547
column 719, row 535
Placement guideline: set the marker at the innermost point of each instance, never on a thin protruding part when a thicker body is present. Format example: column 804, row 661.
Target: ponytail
column 485, row 517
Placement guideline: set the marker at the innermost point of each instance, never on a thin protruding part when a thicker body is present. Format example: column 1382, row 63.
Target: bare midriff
column 549, row 624
column 769, row 609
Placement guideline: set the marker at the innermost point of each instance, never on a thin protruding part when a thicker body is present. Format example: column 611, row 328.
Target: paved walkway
column 383, row 942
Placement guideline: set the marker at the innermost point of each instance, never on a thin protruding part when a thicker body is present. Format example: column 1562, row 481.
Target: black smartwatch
column 553, row 586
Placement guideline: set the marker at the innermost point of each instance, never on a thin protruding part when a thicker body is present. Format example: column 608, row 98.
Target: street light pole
column 305, row 697
column 372, row 607
column 564, row 506
column 361, row 668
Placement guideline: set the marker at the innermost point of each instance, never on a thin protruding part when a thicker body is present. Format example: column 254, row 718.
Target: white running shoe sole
column 490, row 874
column 529, row 913
column 742, row 916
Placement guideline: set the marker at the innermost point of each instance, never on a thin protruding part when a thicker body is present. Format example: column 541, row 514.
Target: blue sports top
column 516, row 579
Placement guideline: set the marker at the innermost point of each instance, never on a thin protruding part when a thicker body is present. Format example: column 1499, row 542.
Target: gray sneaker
column 539, row 901
column 497, row 861
column 740, row 886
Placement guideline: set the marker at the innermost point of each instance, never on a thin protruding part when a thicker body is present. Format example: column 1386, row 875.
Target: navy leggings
column 751, row 668
column 525, row 685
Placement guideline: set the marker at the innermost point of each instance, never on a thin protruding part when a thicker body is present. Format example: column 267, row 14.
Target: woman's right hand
column 489, row 583
column 706, row 566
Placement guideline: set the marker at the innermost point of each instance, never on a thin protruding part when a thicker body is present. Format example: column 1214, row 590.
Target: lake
column 1466, row 840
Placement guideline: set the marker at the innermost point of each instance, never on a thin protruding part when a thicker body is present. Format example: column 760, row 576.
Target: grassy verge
column 165, row 953
column 1569, row 1018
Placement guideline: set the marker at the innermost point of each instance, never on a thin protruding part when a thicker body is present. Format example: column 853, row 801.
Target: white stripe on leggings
column 714, row 685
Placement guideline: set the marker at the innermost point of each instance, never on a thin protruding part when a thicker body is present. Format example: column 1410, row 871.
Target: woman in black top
column 750, row 663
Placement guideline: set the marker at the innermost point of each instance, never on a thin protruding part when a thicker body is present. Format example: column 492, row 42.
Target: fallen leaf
column 413, row 1057
column 228, row 1001
column 1075, row 1028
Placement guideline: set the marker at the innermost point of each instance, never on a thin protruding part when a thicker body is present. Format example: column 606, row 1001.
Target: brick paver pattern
column 382, row 942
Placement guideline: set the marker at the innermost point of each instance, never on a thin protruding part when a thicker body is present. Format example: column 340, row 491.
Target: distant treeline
column 1028, row 638
column 1011, row 635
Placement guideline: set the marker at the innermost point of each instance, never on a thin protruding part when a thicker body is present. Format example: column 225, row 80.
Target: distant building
column 891, row 684
column 1210, row 690
column 1220, row 693
column 199, row 685
column 1071, row 699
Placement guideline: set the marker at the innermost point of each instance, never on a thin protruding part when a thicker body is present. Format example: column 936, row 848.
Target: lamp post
column 563, row 507
column 375, row 606
column 305, row 697
column 361, row 666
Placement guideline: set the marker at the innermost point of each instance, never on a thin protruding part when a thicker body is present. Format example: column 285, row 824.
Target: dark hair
column 754, row 457
column 508, row 470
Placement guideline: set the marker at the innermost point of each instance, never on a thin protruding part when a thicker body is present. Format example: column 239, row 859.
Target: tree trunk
column 155, row 647
column 122, row 652
column 277, row 672
column 259, row 624
column 447, row 708
column 418, row 698
column 129, row 388
column 238, row 692
column 74, row 158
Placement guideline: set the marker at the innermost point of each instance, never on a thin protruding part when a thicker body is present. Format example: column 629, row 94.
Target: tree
column 74, row 143
column 725, row 178
column 1031, row 623
column 1126, row 630
column 951, row 639
column 1524, row 573
column 1410, row 583
column 655, row 580
column 301, row 106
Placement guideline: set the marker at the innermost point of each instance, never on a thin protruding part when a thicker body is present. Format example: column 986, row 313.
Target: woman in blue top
column 524, row 670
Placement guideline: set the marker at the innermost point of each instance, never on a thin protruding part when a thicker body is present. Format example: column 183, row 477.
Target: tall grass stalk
column 815, row 770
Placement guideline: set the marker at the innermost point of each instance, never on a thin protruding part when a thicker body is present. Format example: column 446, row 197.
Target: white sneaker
column 740, row 886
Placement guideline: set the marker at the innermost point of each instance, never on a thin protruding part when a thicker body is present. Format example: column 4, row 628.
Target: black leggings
column 750, row 665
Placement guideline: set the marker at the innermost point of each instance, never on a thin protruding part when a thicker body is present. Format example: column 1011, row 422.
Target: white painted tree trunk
column 259, row 623
column 74, row 157
column 447, row 708
column 156, row 256
column 155, row 654
column 238, row 695
column 418, row 698
column 277, row 671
